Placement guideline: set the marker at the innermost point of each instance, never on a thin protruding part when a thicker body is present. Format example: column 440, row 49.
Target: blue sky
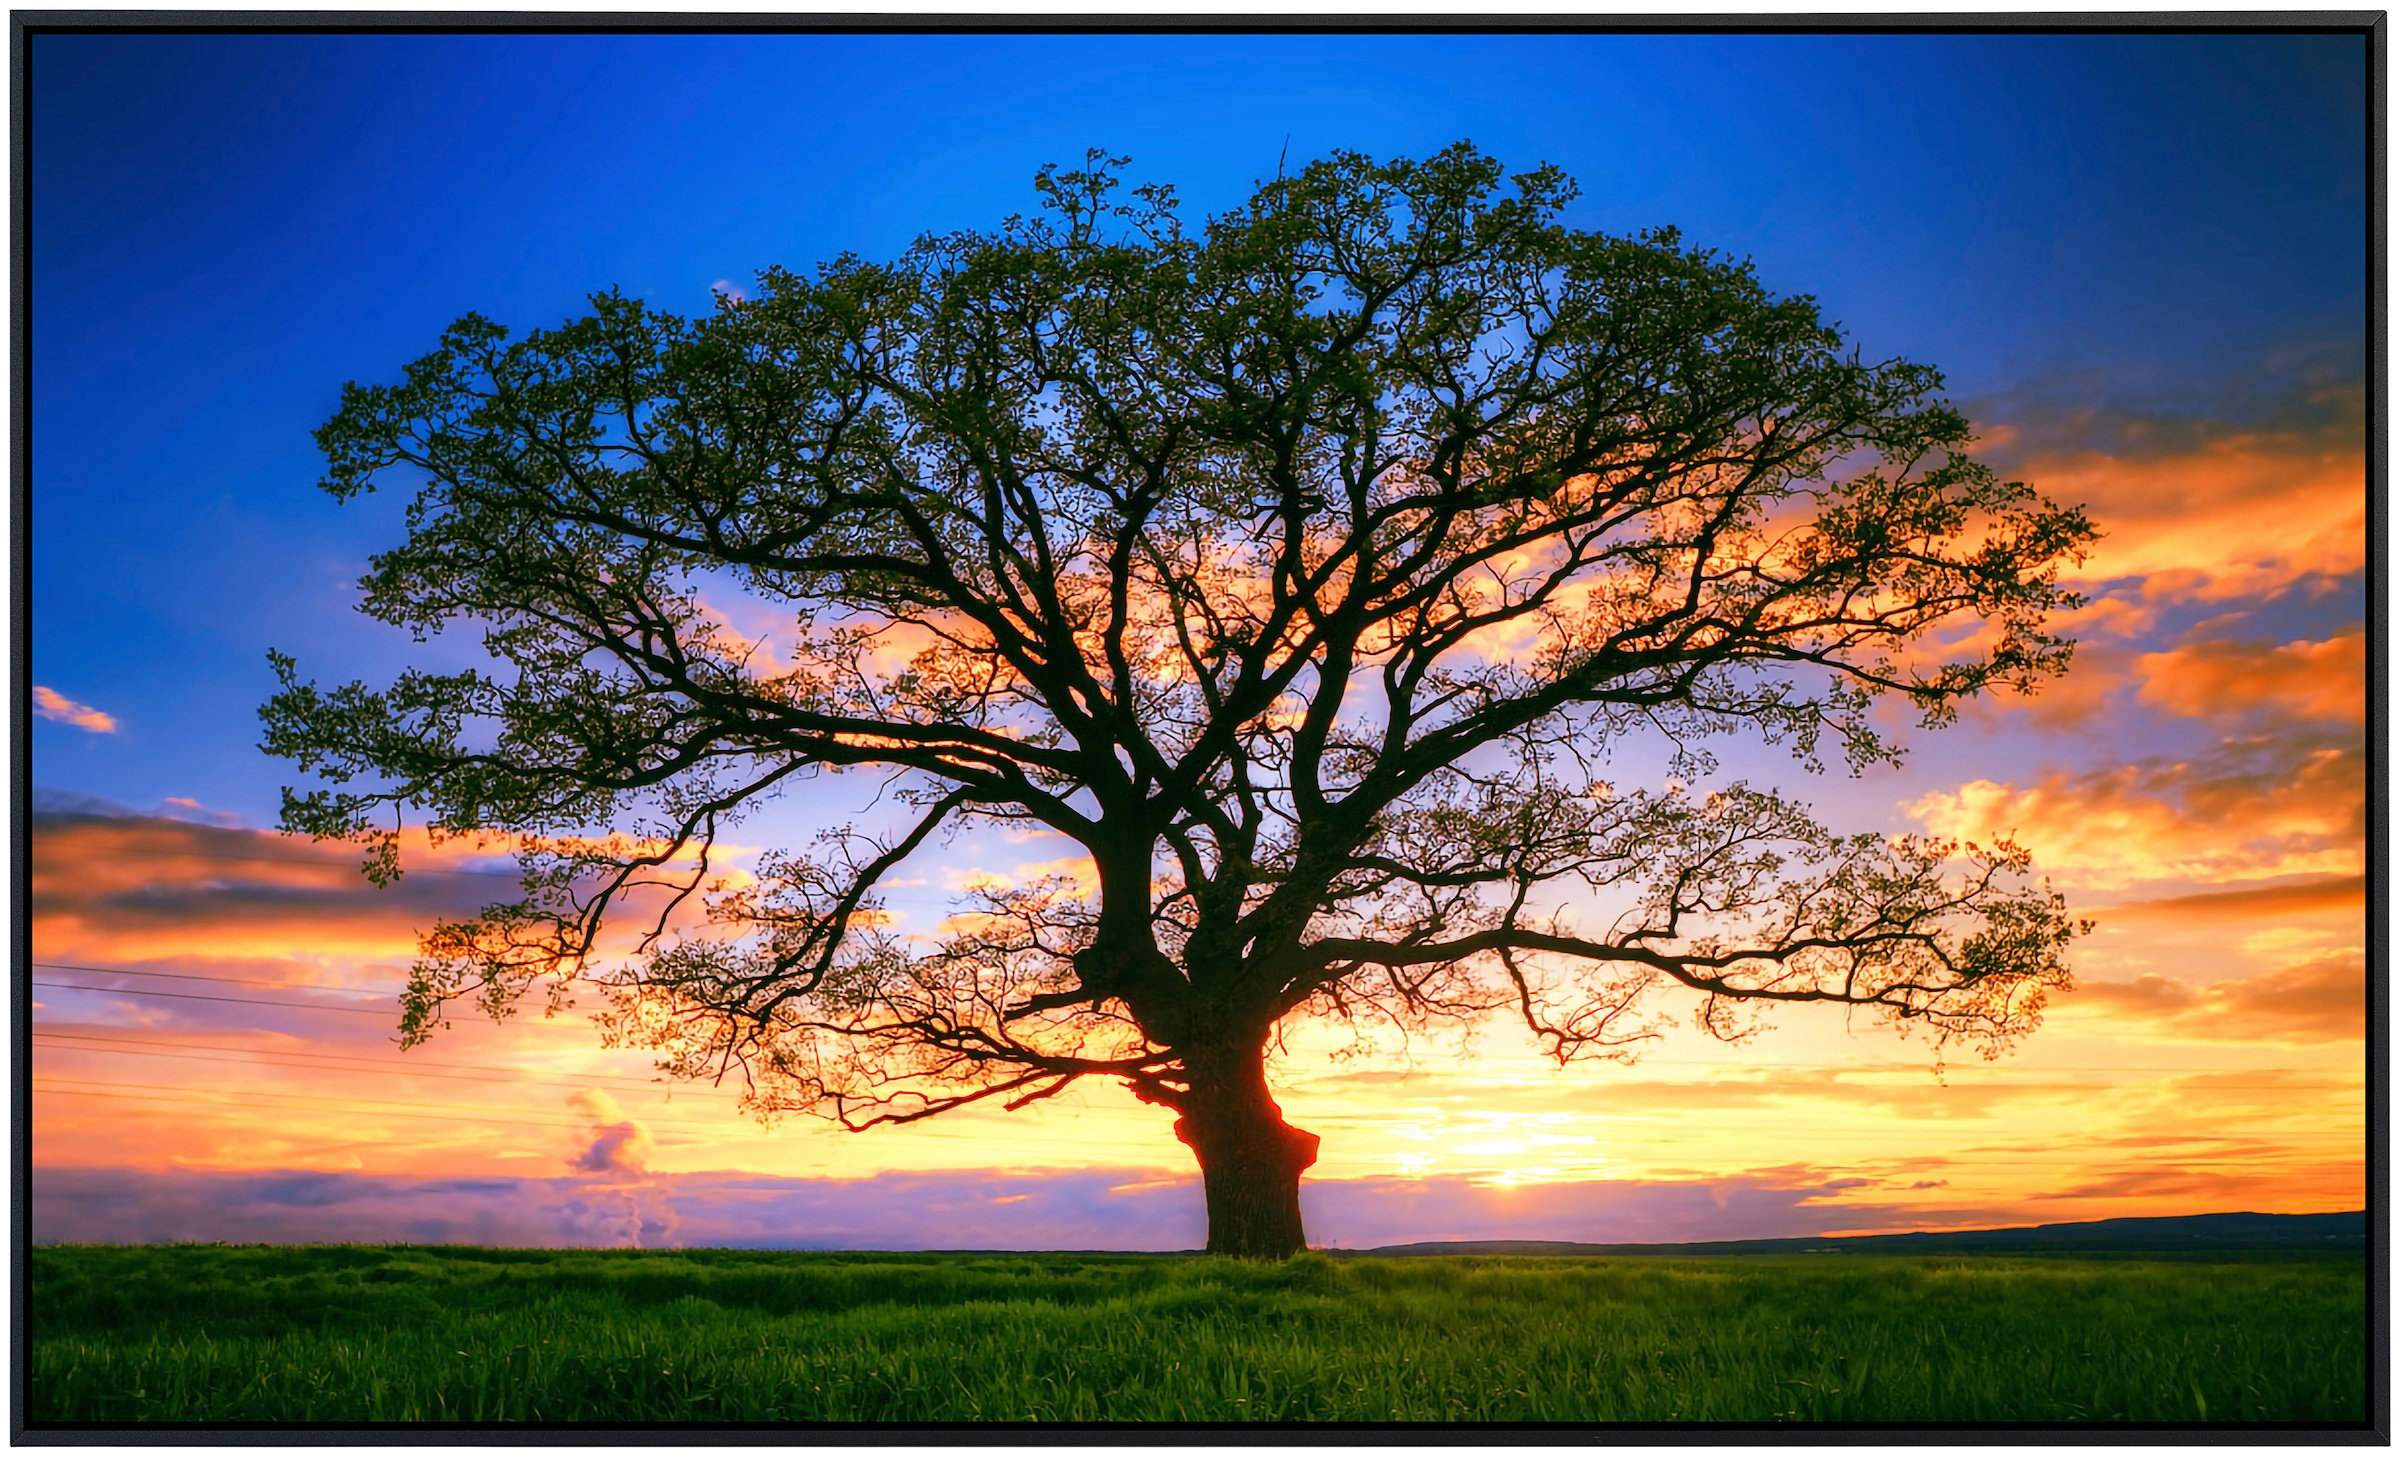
column 2140, row 260
column 227, row 228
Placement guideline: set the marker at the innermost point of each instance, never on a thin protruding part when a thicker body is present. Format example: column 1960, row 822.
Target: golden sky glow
column 2211, row 1058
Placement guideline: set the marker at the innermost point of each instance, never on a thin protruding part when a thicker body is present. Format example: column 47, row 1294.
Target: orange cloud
column 2246, row 492
column 2251, row 810
column 2243, row 514
column 2222, row 679
column 2334, row 893
column 58, row 708
column 2323, row 1186
column 2324, row 997
column 2083, row 696
column 133, row 887
column 111, row 889
column 2228, row 680
column 2106, row 617
column 2320, row 999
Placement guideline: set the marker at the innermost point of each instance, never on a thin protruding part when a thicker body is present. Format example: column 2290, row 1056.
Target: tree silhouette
column 1298, row 570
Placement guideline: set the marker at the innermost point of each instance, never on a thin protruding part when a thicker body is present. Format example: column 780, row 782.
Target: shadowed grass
column 407, row 1334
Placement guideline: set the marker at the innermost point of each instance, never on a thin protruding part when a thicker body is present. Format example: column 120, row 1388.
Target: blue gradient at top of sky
column 225, row 229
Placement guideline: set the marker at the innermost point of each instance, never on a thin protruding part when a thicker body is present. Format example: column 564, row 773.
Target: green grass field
column 412, row 1334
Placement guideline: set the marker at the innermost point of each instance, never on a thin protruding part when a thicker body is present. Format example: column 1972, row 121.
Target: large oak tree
column 1300, row 570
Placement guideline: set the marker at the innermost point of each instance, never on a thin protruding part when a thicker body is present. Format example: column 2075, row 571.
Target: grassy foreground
column 406, row 1334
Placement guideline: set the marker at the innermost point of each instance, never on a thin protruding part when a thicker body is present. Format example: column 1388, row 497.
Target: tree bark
column 1250, row 1159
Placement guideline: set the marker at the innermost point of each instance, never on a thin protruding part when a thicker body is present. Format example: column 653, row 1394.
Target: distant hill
column 2199, row 1232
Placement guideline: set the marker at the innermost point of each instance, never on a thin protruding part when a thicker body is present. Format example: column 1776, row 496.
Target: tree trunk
column 1250, row 1159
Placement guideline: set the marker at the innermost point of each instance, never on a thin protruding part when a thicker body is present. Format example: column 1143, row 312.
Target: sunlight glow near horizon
column 2143, row 304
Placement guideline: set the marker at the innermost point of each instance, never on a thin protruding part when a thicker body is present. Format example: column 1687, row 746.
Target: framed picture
column 1509, row 728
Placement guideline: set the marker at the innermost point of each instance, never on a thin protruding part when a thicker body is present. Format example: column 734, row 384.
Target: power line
column 2286, row 1136
column 266, row 1057
column 238, row 981
column 320, row 1062
column 433, row 1117
column 1953, row 1070
column 2096, row 1165
column 297, row 860
column 1736, row 1065
column 341, row 1062
column 57, row 1084
column 355, row 1068
column 68, row 986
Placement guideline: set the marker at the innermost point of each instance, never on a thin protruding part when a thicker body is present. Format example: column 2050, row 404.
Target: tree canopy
column 1301, row 569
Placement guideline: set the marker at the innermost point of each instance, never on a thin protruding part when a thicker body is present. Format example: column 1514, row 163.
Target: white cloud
column 619, row 1144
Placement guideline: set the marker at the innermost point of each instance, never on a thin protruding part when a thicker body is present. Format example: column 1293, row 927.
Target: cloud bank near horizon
column 1095, row 1209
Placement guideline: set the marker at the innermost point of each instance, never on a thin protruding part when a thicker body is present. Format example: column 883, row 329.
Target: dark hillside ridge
column 2192, row 1232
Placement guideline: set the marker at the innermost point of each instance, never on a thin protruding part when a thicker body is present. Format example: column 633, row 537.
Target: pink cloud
column 59, row 708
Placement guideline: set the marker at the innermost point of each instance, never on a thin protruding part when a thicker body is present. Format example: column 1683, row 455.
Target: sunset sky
column 2140, row 261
